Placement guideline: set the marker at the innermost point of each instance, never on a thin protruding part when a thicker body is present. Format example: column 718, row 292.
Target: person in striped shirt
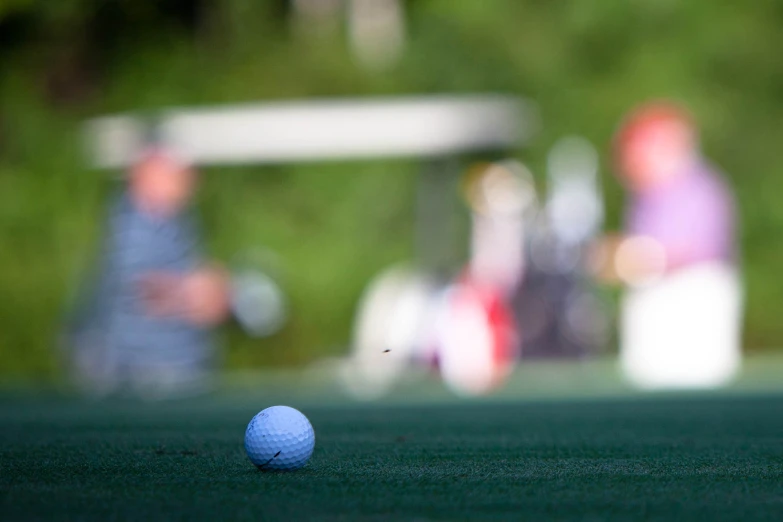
column 146, row 325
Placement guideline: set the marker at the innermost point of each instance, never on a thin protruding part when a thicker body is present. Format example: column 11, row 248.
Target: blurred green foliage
column 335, row 225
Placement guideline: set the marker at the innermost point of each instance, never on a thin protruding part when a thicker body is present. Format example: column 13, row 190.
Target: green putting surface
column 687, row 457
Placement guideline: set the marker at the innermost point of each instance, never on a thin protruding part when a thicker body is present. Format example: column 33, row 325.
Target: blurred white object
column 474, row 342
column 575, row 204
column 258, row 303
column 500, row 197
column 320, row 130
column 389, row 331
column 464, row 345
column 684, row 330
column 377, row 31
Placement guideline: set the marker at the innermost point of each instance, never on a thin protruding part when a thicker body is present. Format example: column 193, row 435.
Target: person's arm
column 207, row 295
column 631, row 259
column 200, row 294
column 207, row 286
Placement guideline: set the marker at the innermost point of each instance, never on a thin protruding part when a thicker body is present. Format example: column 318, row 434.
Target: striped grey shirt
column 136, row 244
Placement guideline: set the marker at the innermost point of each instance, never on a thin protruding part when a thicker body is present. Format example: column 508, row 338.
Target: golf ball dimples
column 279, row 438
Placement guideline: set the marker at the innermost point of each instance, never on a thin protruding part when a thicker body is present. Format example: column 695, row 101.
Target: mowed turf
column 668, row 458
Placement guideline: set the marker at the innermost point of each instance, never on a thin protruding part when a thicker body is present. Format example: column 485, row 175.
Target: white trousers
column 683, row 331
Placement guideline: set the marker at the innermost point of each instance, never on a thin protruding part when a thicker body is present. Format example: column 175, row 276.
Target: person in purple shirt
column 681, row 314
column 676, row 197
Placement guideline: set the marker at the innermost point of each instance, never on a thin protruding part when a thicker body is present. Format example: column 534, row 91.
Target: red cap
column 647, row 116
